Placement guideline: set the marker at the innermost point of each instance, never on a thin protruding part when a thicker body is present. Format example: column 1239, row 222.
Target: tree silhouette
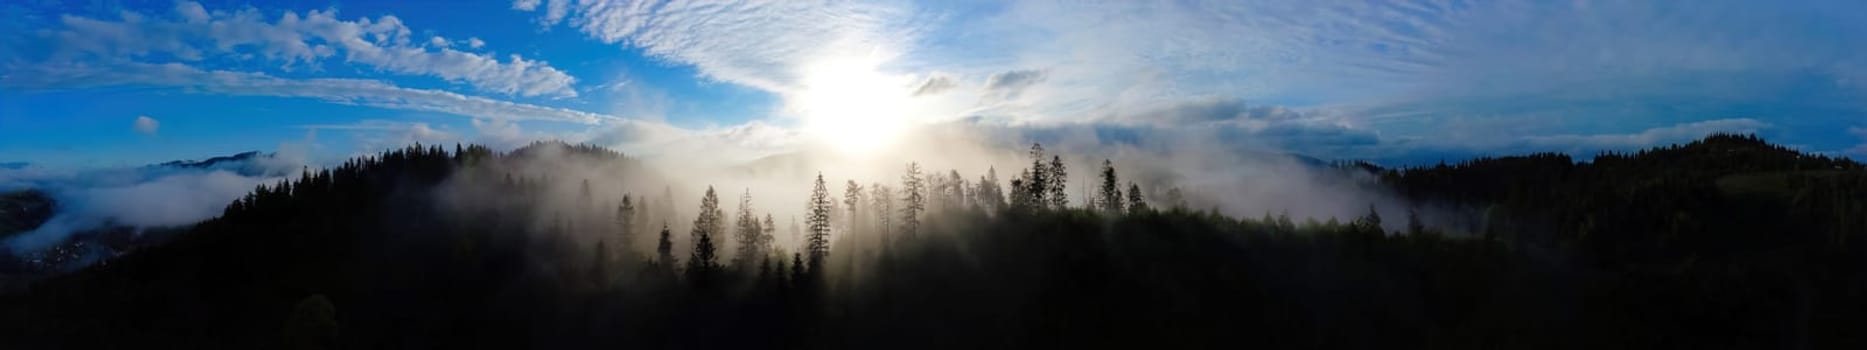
column 1136, row 203
column 1057, row 184
column 749, row 234
column 990, row 196
column 1111, row 199
column 664, row 251
column 883, row 198
column 819, row 223
column 702, row 264
column 913, row 200
column 709, row 223
column 852, row 202
column 1036, row 184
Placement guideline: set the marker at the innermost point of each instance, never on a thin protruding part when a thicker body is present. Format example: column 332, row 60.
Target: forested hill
column 1722, row 196
column 1725, row 242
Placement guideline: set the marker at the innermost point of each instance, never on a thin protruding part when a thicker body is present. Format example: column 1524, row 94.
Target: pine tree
column 664, row 250
column 766, row 234
column 1111, row 189
column 884, row 207
column 913, row 200
column 956, row 187
column 989, row 196
column 1372, row 222
column 1020, row 194
column 1036, row 184
column 819, row 224
column 748, row 233
column 1136, row 204
column 702, row 263
column 1056, row 183
column 852, row 201
column 706, row 225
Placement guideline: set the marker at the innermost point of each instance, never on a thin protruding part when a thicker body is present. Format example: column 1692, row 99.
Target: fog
column 667, row 178
column 164, row 195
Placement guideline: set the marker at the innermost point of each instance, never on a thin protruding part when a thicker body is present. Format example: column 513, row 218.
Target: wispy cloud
column 191, row 33
column 762, row 44
column 361, row 92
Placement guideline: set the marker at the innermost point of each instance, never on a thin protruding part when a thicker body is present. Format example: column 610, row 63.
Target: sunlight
column 849, row 105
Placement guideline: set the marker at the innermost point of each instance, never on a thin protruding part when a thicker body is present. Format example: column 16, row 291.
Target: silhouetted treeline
column 1725, row 242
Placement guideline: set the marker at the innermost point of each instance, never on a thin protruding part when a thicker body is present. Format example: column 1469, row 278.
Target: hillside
column 1725, row 242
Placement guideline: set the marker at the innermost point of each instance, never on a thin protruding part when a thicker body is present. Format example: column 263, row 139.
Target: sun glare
column 849, row 105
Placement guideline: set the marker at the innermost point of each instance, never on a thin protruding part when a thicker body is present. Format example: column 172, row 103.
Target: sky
column 87, row 84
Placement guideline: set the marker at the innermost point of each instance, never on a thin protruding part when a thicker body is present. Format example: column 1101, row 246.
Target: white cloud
column 377, row 135
column 525, row 5
column 193, row 33
column 475, row 43
column 763, row 44
column 343, row 91
column 438, row 41
column 146, row 125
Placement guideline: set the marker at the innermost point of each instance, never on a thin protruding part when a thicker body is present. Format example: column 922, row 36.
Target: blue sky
column 113, row 83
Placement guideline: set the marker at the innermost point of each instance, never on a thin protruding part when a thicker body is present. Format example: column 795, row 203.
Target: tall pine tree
column 819, row 224
column 706, row 226
column 1056, row 182
column 1111, row 199
column 747, row 232
column 1036, row 181
column 1136, row 204
column 913, row 200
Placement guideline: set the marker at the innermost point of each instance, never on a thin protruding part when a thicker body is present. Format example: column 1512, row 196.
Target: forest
column 1724, row 242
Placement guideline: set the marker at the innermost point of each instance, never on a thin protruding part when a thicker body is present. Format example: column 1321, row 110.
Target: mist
column 174, row 194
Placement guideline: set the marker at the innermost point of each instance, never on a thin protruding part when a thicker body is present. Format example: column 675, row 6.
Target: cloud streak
column 359, row 92
column 194, row 34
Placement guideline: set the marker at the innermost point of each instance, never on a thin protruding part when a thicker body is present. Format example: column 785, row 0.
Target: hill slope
column 1636, row 250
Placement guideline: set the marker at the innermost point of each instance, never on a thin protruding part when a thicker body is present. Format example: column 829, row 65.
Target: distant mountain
column 215, row 161
column 14, row 165
column 251, row 163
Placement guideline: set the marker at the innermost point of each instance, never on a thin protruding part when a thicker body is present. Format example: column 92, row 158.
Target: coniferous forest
column 1724, row 242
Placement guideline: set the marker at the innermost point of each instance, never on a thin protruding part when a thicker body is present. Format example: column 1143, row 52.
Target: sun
column 849, row 105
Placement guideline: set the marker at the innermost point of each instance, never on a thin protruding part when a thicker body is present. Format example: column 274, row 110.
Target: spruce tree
column 913, row 200
column 766, row 233
column 884, row 207
column 1111, row 200
column 702, row 263
column 1136, row 204
column 989, row 195
column 819, row 224
column 664, row 250
column 748, row 233
column 852, row 201
column 1056, row 184
column 706, row 225
column 1036, row 179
